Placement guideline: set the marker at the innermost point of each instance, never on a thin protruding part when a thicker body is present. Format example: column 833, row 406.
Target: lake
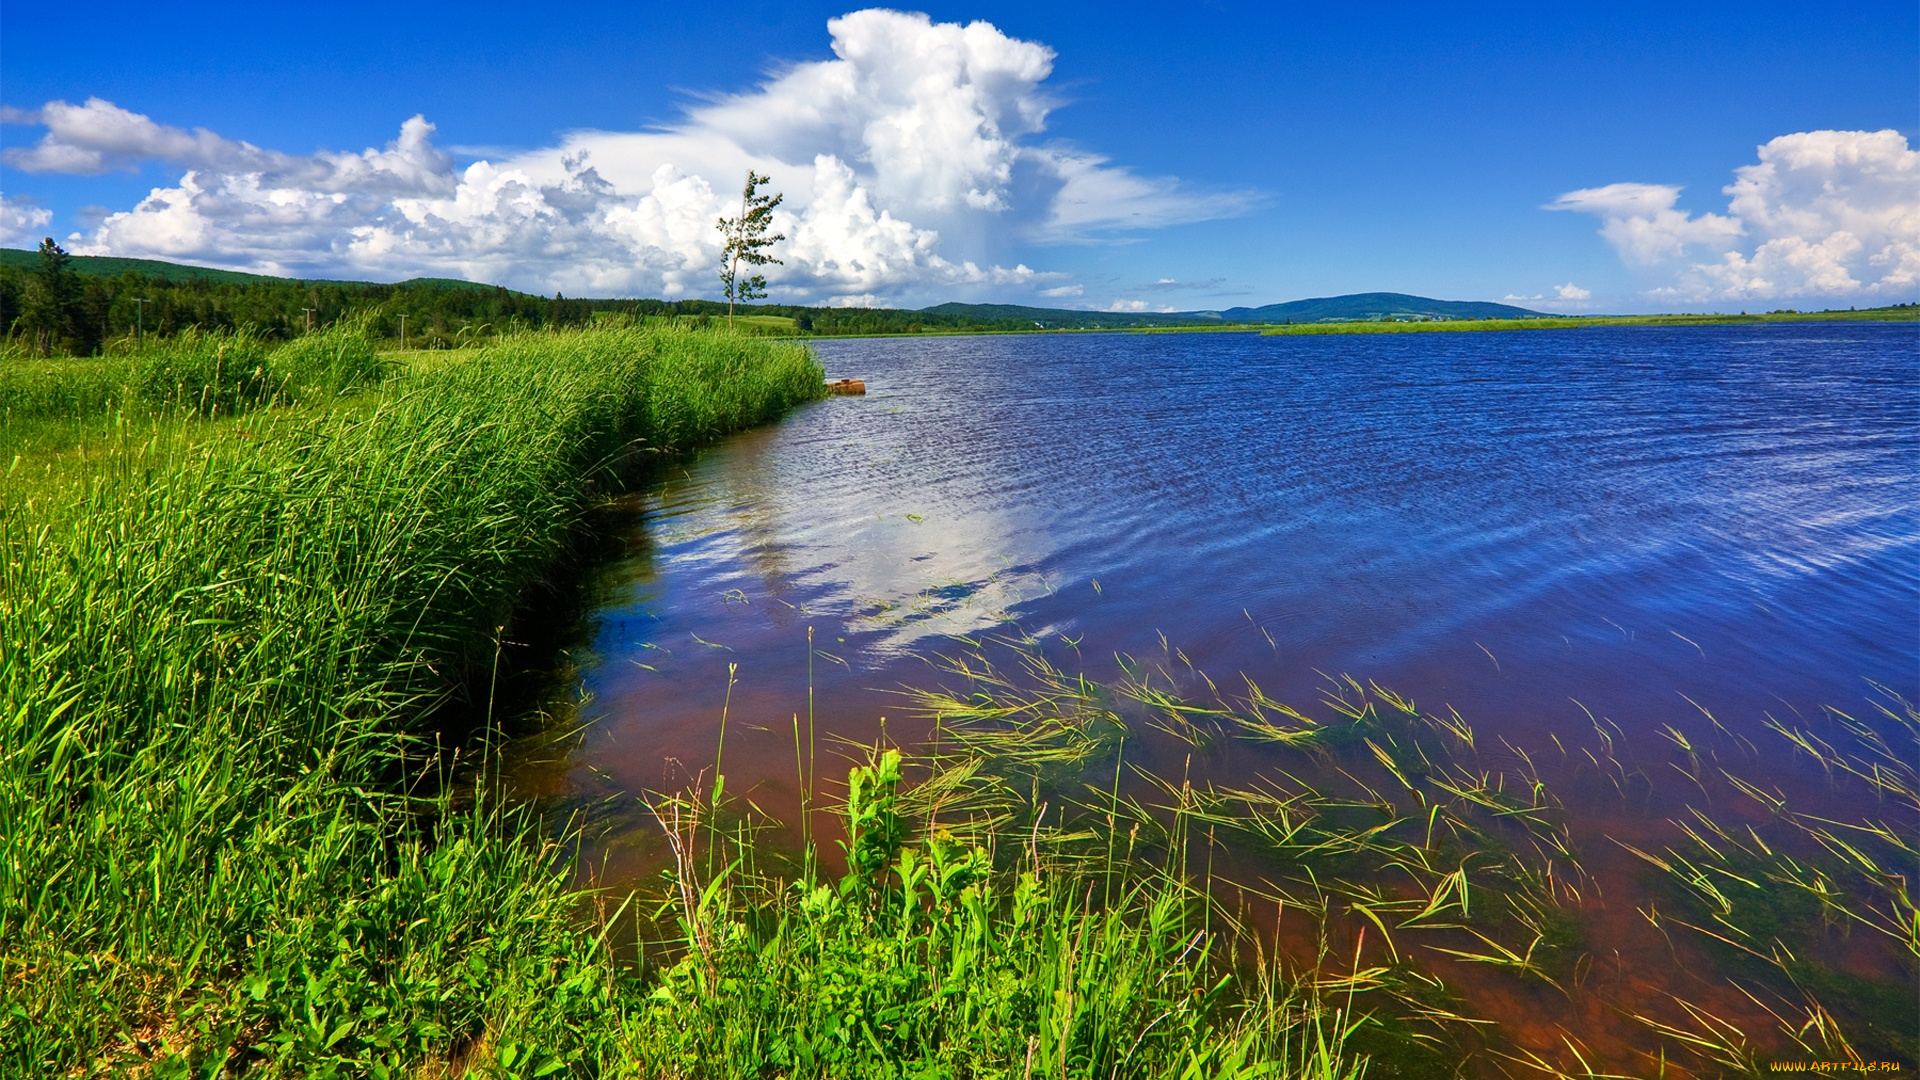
column 1657, row 534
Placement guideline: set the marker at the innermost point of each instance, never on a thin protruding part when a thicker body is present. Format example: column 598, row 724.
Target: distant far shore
column 1895, row 313
column 105, row 300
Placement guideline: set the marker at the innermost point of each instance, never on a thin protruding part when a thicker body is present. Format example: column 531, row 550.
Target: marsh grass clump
column 335, row 360
column 1437, row 858
column 202, row 375
column 193, row 375
column 230, row 846
column 934, row 956
column 61, row 387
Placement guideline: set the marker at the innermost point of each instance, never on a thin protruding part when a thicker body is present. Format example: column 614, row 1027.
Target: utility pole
column 403, row 333
column 309, row 312
column 139, row 317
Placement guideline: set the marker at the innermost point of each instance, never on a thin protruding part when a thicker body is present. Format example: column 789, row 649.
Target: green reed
column 944, row 953
column 1770, row 898
column 1458, row 865
column 229, row 842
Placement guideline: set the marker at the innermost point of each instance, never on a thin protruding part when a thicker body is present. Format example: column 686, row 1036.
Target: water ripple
column 1404, row 506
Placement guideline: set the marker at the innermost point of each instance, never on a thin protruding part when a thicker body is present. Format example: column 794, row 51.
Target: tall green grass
column 933, row 955
column 193, row 374
column 337, row 360
column 221, row 661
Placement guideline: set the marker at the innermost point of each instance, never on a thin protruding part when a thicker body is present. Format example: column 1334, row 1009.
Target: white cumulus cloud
column 907, row 161
column 22, row 224
column 1640, row 221
column 1568, row 297
column 99, row 136
column 1822, row 214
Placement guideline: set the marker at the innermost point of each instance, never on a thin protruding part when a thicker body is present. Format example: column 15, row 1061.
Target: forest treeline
column 822, row 321
column 53, row 303
column 56, row 303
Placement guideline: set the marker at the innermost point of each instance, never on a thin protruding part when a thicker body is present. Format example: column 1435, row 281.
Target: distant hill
column 110, row 266
column 107, row 266
column 1373, row 305
column 114, row 297
column 1354, row 307
column 446, row 283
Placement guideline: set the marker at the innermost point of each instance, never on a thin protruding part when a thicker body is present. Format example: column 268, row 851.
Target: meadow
column 254, row 600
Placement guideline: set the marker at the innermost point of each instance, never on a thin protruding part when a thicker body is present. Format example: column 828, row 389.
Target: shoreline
column 1579, row 322
column 1894, row 315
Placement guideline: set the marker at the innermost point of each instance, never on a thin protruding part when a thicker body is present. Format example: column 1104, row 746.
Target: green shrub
column 926, row 961
column 32, row 388
column 336, row 360
column 200, row 374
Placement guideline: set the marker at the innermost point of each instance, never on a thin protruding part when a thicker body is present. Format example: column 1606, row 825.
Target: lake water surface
column 1509, row 522
column 1645, row 525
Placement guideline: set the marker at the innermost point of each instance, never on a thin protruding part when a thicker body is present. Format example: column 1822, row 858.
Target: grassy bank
column 1899, row 313
column 225, row 645
column 240, row 607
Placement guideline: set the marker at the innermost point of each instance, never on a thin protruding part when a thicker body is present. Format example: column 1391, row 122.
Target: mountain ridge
column 1351, row 307
column 1385, row 305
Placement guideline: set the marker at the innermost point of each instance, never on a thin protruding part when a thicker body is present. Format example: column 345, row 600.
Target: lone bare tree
column 747, row 240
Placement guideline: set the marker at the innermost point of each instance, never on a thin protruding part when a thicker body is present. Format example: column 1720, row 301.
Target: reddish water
column 1656, row 527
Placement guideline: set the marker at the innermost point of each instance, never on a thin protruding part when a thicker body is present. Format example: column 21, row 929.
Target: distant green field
column 1896, row 313
column 777, row 322
column 750, row 325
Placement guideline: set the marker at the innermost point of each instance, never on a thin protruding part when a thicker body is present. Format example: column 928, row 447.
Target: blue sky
column 1170, row 156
